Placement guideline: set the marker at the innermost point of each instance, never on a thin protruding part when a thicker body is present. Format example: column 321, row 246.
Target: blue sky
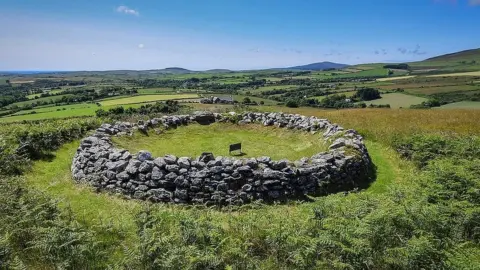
column 234, row 34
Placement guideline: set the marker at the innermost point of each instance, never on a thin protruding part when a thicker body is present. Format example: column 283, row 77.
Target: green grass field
column 395, row 78
column 256, row 141
column 397, row 100
column 347, row 94
column 474, row 73
column 53, row 92
column 461, row 105
column 163, row 91
column 145, row 98
column 364, row 73
column 83, row 109
column 429, row 90
column 23, row 103
column 269, row 88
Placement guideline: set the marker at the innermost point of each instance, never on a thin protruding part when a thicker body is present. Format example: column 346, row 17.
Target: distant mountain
column 175, row 70
column 319, row 66
column 218, row 71
column 466, row 55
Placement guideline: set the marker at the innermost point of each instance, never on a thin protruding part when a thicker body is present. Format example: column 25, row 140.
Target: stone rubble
column 223, row 180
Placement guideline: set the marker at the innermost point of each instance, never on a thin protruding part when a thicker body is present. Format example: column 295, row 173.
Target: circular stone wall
column 223, row 180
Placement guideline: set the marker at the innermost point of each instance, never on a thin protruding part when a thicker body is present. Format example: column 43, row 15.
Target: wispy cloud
column 416, row 51
column 141, row 46
column 127, row 10
column 470, row 2
column 474, row 2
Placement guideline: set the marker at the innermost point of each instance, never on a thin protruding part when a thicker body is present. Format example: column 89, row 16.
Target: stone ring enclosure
column 223, row 180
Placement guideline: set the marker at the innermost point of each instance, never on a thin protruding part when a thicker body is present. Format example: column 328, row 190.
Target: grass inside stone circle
column 257, row 140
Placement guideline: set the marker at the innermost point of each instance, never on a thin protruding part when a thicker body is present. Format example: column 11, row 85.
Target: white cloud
column 140, row 46
column 127, row 10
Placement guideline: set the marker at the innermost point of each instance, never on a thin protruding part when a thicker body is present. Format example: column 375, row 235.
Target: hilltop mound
column 319, row 66
column 466, row 55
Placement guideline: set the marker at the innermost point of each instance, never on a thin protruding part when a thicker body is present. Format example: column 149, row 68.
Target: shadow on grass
column 49, row 157
column 241, row 154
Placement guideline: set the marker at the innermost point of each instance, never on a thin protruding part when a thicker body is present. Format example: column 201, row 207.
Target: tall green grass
column 422, row 212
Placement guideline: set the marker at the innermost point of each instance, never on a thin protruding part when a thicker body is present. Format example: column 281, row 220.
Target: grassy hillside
column 463, row 61
column 413, row 216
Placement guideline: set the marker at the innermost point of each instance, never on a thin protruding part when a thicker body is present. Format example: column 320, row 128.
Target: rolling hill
column 457, row 56
column 319, row 66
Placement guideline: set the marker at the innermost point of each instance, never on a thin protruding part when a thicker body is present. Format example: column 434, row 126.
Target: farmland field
column 397, row 100
column 145, row 98
column 53, row 92
column 82, row 109
column 366, row 72
column 347, row 94
column 150, row 91
column 395, row 78
column 474, row 73
column 441, row 89
column 461, row 105
column 269, row 88
column 44, row 99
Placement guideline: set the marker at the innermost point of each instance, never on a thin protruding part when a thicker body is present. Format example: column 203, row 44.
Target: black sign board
column 235, row 147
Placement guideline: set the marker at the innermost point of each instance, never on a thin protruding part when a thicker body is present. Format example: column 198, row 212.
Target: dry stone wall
column 223, row 180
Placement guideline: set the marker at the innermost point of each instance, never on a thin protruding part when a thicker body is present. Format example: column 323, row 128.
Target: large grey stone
column 337, row 143
column 181, row 194
column 172, row 168
column 170, row 159
column 184, row 162
column 157, row 173
column 133, row 165
column 204, row 117
column 146, row 166
column 160, row 162
column 123, row 176
column 144, row 155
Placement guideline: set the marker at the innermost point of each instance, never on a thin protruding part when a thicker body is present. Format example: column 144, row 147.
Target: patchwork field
column 441, row 89
column 461, row 105
column 82, row 109
column 474, row 73
column 395, row 78
column 397, row 100
column 146, row 98
column 151, row 91
column 53, row 92
column 44, row 99
column 347, row 94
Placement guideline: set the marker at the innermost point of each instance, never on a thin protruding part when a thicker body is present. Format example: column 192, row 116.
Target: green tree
column 246, row 100
column 367, row 94
column 292, row 103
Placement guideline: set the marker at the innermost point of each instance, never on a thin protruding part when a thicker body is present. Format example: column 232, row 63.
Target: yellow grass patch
column 473, row 73
column 395, row 78
column 145, row 98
